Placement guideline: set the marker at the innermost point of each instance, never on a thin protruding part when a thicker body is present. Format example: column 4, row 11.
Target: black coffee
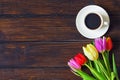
column 92, row 21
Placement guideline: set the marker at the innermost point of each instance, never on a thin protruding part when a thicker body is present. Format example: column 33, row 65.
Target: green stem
column 90, row 63
column 95, row 73
column 112, row 75
column 99, row 67
column 84, row 75
column 106, row 63
column 114, row 67
column 107, row 59
column 96, row 66
column 103, row 70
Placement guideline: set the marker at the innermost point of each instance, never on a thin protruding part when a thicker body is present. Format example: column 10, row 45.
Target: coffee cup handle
column 105, row 23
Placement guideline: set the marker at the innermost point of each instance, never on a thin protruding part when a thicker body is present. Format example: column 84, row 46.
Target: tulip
column 76, row 68
column 109, row 44
column 73, row 64
column 100, row 44
column 91, row 52
column 80, row 59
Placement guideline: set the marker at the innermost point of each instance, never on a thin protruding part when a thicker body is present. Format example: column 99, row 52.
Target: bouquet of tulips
column 98, row 61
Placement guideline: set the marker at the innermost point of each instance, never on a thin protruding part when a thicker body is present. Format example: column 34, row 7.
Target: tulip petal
column 104, row 43
column 80, row 59
column 98, row 44
column 88, row 54
column 93, row 51
column 109, row 44
column 74, row 64
column 72, row 68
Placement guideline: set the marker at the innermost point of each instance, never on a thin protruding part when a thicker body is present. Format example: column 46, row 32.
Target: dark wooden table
column 38, row 37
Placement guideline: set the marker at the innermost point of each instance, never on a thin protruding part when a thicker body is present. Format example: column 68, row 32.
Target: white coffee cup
column 102, row 22
column 88, row 32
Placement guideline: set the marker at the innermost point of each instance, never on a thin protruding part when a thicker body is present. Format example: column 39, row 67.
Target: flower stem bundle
column 96, row 59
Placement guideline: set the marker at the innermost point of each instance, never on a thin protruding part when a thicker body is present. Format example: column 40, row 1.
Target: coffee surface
column 92, row 21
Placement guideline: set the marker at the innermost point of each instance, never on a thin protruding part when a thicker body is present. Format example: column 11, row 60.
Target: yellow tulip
column 90, row 52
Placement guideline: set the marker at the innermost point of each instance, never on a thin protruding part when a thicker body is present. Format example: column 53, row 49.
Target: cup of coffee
column 94, row 21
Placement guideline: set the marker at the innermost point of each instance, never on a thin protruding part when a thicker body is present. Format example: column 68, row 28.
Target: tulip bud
column 100, row 44
column 109, row 44
column 80, row 59
column 90, row 52
column 73, row 64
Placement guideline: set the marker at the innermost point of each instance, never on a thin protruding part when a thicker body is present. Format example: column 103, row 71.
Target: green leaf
column 96, row 66
column 114, row 67
column 95, row 73
column 75, row 73
column 103, row 70
column 85, row 76
column 90, row 63
column 112, row 75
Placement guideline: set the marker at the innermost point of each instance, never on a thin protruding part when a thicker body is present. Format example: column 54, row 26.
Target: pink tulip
column 73, row 64
column 100, row 44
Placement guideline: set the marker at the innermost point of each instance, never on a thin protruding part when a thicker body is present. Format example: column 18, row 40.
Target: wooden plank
column 38, row 74
column 38, row 37
column 36, row 54
column 40, row 29
column 54, row 6
column 47, row 28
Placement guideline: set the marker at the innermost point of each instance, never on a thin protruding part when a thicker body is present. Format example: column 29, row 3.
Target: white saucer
column 82, row 27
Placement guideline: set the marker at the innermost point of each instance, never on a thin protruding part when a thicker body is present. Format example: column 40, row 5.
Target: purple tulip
column 73, row 64
column 100, row 44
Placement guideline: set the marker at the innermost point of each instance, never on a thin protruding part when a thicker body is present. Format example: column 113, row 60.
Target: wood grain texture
column 48, row 7
column 47, row 28
column 38, row 37
column 36, row 54
column 37, row 20
column 37, row 74
column 41, row 61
